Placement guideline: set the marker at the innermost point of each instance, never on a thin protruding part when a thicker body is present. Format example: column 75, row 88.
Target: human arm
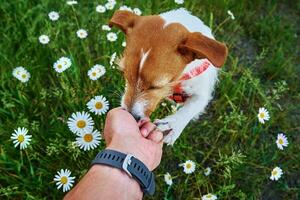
column 121, row 133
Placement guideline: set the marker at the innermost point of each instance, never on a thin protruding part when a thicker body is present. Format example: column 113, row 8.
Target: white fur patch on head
column 185, row 18
column 138, row 108
column 144, row 57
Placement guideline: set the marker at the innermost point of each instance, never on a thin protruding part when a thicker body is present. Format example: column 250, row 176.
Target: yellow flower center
column 280, row 141
column 81, row 124
column 188, row 165
column 64, row 180
column 23, row 75
column 21, row 138
column 209, row 196
column 88, row 137
column 274, row 172
column 262, row 115
column 99, row 105
column 94, row 74
column 59, row 66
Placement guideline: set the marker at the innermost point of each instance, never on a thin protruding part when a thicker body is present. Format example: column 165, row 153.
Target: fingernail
column 144, row 132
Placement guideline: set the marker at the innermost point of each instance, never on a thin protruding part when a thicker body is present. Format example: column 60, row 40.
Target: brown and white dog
column 160, row 50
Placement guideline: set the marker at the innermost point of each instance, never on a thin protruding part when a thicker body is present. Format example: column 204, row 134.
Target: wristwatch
column 135, row 168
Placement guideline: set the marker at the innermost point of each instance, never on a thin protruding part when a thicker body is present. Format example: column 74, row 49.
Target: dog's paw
column 171, row 128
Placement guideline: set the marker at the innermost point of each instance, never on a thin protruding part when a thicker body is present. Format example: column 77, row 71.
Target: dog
column 171, row 55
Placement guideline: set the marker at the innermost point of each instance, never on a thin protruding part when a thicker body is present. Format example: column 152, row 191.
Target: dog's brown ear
column 123, row 20
column 199, row 46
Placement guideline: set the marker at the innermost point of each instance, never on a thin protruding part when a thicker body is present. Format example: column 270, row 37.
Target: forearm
column 103, row 182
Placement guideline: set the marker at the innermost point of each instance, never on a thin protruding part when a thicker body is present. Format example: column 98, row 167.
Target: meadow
column 262, row 71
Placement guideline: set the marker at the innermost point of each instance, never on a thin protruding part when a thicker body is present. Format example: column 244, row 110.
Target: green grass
column 262, row 70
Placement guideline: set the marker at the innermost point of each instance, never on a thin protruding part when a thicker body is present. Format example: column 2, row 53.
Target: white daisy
column 65, row 61
column 101, row 69
column 207, row 171
column 209, row 197
column 109, row 6
column 113, row 58
column 106, row 28
column 90, row 140
column 53, row 15
column 124, row 44
column 100, row 9
column 96, row 72
column 62, row 64
column 44, row 39
column 24, row 76
column 72, row 2
column 59, row 66
column 112, row 1
column 21, row 138
column 179, row 1
column 174, row 108
column 21, row 74
column 81, row 33
column 168, row 179
column 281, row 141
column 111, row 37
column 93, row 74
column 80, row 122
column 98, row 105
column 126, row 8
column 263, row 115
column 276, row 174
column 17, row 71
column 64, row 179
column 230, row 14
column 137, row 11
column 188, row 167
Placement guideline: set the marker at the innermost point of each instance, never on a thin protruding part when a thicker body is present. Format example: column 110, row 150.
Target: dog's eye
column 154, row 87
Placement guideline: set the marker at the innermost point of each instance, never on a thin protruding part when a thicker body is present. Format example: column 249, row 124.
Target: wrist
column 117, row 179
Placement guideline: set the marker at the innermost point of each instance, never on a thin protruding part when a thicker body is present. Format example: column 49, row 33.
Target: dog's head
column 155, row 57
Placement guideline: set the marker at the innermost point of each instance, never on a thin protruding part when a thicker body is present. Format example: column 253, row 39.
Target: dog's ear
column 123, row 20
column 199, row 46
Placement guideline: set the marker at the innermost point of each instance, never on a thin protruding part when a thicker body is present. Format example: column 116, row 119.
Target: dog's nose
column 136, row 117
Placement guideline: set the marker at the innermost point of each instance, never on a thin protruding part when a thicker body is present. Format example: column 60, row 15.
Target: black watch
column 132, row 166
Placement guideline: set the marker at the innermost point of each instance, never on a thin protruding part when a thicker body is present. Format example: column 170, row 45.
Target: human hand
column 124, row 134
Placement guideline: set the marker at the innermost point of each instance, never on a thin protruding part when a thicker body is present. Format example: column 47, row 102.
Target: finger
column 156, row 136
column 143, row 121
column 147, row 128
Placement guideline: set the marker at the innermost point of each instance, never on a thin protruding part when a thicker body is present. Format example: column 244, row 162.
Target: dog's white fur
column 200, row 88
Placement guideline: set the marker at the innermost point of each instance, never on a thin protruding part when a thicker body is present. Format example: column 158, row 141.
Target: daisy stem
column 30, row 165
column 186, row 180
column 220, row 25
column 198, row 185
column 75, row 16
column 21, row 164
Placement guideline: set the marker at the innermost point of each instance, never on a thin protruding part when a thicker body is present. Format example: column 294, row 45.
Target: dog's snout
column 136, row 117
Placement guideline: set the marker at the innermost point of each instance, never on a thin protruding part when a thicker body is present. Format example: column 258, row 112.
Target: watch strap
column 131, row 165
